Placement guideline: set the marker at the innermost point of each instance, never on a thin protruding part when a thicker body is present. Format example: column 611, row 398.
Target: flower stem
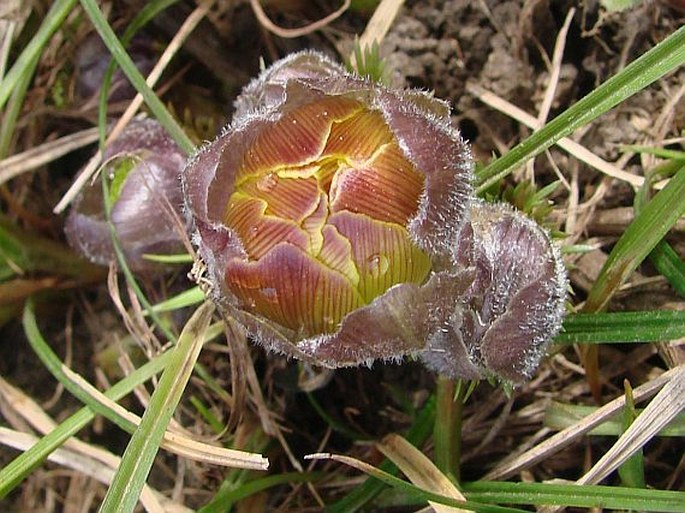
column 447, row 429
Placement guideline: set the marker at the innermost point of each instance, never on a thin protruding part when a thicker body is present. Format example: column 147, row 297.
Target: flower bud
column 144, row 166
column 330, row 214
column 514, row 304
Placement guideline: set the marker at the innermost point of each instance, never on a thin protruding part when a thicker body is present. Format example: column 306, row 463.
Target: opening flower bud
column 143, row 167
column 331, row 218
column 321, row 204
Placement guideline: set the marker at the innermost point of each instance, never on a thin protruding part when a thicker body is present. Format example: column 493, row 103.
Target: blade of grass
column 622, row 327
column 189, row 297
column 129, row 68
column 99, row 404
column 53, row 20
column 411, row 490
column 139, row 455
column 663, row 58
column 560, row 416
column 420, row 470
column 564, row 438
column 643, row 233
column 670, row 265
column 227, row 497
column 608, row 497
column 147, row 13
column 659, row 412
column 632, row 472
column 663, row 256
column 10, row 116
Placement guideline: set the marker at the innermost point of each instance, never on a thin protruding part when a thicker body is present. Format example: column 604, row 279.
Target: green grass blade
column 664, row 57
column 586, row 496
column 670, row 265
column 189, row 297
column 416, row 494
column 149, row 11
column 642, row 235
column 559, row 416
column 56, row 15
column 632, row 472
column 622, row 327
column 10, row 116
column 128, row 67
column 137, row 460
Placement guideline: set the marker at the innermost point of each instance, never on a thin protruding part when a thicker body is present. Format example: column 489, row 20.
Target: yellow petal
column 382, row 252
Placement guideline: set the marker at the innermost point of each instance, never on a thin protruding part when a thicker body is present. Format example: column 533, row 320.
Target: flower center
column 321, row 204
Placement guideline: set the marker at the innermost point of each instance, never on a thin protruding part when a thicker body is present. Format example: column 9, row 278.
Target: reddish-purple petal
column 297, row 138
column 260, row 232
column 294, row 290
column 388, row 175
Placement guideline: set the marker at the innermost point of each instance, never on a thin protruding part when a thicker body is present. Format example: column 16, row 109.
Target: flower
column 144, row 166
column 329, row 215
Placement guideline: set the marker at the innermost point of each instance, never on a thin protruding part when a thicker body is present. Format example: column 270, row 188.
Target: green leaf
column 622, row 327
column 642, row 235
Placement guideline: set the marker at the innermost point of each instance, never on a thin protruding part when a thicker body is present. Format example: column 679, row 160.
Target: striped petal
column 260, row 232
column 358, row 137
column 289, row 198
column 382, row 252
column 297, row 138
column 387, row 188
column 336, row 253
column 294, row 290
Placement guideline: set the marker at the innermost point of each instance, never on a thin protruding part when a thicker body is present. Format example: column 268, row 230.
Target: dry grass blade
column 45, row 153
column 380, row 22
column 555, row 70
column 668, row 403
column 177, row 443
column 566, row 437
column 295, row 32
column 420, row 470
